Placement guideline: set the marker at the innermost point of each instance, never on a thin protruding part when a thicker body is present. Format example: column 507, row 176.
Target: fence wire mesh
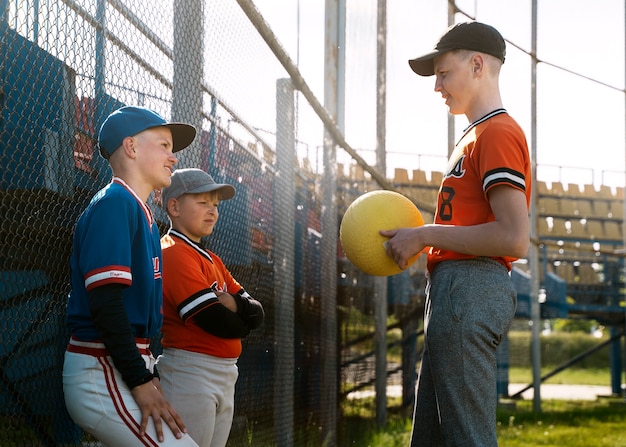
column 64, row 66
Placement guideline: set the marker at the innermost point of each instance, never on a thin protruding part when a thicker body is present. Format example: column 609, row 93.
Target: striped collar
column 483, row 119
column 144, row 206
column 195, row 245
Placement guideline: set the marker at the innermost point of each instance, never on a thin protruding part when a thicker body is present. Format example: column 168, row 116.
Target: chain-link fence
column 64, row 66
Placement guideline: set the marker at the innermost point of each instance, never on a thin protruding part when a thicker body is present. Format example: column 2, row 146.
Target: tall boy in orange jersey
column 481, row 225
column 206, row 311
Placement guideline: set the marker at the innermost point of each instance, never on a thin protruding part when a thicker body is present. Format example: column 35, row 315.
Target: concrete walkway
column 548, row 391
column 562, row 392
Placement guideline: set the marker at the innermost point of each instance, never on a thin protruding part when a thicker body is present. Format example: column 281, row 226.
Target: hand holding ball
column 365, row 218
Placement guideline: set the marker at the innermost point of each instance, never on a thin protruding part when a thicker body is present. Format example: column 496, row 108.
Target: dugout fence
column 64, row 66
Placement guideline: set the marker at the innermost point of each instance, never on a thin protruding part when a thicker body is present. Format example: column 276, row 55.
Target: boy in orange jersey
column 481, row 225
column 206, row 311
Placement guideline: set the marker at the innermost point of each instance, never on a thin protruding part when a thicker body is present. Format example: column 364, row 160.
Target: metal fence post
column 188, row 71
column 284, row 200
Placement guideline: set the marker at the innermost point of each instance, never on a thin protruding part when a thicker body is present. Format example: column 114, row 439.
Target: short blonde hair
column 492, row 63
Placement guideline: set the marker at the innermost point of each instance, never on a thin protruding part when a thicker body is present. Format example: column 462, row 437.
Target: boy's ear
column 128, row 146
column 477, row 62
column 172, row 207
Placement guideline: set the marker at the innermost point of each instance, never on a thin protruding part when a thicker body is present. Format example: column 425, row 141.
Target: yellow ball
column 360, row 226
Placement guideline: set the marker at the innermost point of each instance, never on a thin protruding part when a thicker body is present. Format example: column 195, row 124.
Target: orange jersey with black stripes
column 191, row 276
column 492, row 152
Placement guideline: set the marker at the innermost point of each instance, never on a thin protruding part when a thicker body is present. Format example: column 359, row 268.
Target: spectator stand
column 581, row 261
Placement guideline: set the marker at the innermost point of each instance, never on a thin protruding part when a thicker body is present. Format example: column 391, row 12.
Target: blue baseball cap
column 128, row 121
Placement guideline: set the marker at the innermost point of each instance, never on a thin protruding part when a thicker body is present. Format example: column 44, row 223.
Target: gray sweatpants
column 469, row 307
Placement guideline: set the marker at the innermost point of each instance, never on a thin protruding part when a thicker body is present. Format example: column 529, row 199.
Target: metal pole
column 36, row 21
column 100, row 62
column 451, row 127
column 380, row 283
column 535, row 311
column 4, row 13
column 340, row 79
column 624, row 216
column 284, row 273
column 188, row 72
column 330, row 120
column 381, row 87
column 380, row 349
column 624, row 91
column 329, row 389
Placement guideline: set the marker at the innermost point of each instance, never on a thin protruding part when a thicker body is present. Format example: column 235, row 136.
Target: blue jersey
column 116, row 241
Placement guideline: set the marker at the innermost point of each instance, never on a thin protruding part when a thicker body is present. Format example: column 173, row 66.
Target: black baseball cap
column 472, row 35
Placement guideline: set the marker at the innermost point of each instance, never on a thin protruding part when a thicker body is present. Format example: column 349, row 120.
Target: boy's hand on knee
column 153, row 404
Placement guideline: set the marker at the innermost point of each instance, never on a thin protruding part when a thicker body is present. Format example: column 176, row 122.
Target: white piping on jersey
column 147, row 211
column 517, row 179
column 245, row 294
column 108, row 275
column 195, row 304
column 480, row 120
column 193, row 244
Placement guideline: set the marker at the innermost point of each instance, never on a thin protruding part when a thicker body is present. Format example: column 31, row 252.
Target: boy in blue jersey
column 111, row 387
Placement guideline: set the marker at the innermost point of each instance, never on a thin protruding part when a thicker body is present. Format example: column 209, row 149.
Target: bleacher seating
column 601, row 209
column 617, row 211
column 580, row 213
column 401, row 176
column 613, row 229
column 436, row 178
column 419, row 177
column 569, row 212
column 580, row 227
column 542, row 188
column 557, row 189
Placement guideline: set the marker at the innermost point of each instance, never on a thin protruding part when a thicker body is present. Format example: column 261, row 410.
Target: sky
column 580, row 122
column 580, row 134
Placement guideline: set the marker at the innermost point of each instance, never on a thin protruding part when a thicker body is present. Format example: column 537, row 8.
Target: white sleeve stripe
column 499, row 176
column 199, row 301
column 109, row 274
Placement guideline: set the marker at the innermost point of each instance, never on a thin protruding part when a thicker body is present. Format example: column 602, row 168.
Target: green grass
column 570, row 376
column 597, row 423
column 358, row 425
column 564, row 423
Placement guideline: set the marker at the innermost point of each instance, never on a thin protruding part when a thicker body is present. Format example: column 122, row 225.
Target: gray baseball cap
column 194, row 181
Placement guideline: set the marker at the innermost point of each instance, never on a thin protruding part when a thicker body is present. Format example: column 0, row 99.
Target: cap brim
column 225, row 191
column 182, row 135
column 424, row 65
